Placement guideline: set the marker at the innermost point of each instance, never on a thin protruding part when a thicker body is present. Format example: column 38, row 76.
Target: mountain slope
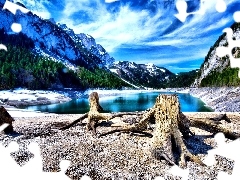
column 55, row 40
column 216, row 71
column 145, row 75
column 49, row 55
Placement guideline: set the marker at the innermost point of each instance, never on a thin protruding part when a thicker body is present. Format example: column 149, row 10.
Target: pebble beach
column 114, row 156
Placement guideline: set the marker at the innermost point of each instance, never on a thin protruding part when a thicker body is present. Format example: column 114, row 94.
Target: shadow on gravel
column 14, row 134
column 196, row 144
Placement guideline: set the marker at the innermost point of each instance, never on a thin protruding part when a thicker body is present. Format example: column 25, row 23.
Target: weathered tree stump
column 172, row 124
column 5, row 117
column 93, row 115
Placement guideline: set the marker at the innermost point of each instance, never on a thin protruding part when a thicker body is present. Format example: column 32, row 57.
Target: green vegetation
column 228, row 77
column 100, row 78
column 20, row 68
column 183, row 79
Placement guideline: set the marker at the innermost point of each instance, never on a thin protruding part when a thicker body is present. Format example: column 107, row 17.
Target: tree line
column 20, row 68
column 228, row 77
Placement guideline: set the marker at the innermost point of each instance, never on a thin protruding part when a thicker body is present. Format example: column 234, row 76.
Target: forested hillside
column 183, row 79
column 216, row 71
column 100, row 78
column 20, row 67
column 228, row 77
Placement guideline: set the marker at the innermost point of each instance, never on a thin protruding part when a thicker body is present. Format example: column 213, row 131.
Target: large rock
column 5, row 117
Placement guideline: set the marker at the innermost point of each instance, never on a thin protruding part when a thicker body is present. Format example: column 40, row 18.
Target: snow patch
column 113, row 70
column 163, row 70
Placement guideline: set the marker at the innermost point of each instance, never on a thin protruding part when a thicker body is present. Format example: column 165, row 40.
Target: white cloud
column 171, row 42
column 135, row 27
column 73, row 6
column 127, row 26
column 164, row 59
column 110, row 1
column 42, row 14
column 37, row 7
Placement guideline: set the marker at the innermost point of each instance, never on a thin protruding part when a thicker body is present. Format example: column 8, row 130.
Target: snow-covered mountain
column 60, row 43
column 86, row 41
column 145, row 75
column 56, row 41
column 214, row 64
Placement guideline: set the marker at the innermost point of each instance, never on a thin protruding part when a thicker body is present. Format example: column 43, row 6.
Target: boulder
column 5, row 117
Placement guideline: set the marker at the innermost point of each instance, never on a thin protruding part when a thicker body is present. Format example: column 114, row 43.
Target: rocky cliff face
column 212, row 62
column 145, row 75
column 91, row 45
column 56, row 41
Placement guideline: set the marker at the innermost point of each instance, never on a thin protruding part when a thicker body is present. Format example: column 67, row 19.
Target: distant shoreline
column 220, row 99
column 25, row 97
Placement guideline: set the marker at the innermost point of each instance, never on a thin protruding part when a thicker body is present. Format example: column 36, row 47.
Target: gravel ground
column 115, row 156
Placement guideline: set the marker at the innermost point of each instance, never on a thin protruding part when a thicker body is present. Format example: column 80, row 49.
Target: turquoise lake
column 127, row 102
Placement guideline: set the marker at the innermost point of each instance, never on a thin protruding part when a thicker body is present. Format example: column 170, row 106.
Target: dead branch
column 75, row 122
column 169, row 122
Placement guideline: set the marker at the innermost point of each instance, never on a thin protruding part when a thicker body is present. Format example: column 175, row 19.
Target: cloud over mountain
column 143, row 30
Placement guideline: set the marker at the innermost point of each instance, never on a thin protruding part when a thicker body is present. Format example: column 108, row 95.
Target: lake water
column 127, row 102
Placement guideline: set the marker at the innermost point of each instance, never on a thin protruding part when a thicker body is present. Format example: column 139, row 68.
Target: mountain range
column 40, row 38
column 142, row 75
column 61, row 58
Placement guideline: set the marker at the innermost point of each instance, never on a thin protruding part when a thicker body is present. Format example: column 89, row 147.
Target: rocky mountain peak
column 56, row 40
column 213, row 63
column 145, row 75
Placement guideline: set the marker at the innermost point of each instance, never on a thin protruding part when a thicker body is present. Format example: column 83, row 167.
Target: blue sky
column 144, row 31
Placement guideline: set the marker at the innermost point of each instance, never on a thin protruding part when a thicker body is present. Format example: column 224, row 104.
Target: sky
column 145, row 31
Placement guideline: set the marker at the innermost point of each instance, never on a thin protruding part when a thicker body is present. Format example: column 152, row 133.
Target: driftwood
column 213, row 127
column 166, row 112
column 169, row 122
column 75, row 122
column 93, row 115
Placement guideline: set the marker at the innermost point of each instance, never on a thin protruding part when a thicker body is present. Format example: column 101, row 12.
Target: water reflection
column 122, row 103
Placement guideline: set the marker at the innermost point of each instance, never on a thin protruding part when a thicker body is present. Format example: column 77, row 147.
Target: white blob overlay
column 11, row 170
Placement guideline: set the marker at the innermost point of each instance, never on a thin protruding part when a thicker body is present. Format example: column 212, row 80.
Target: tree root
column 75, row 122
column 169, row 122
column 221, row 117
column 214, row 127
